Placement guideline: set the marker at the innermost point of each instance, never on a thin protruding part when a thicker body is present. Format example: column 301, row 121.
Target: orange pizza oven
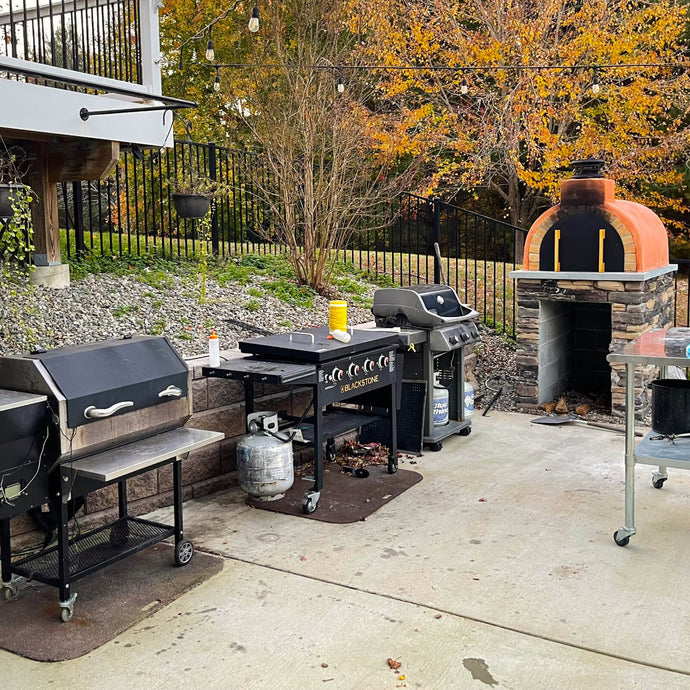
column 592, row 231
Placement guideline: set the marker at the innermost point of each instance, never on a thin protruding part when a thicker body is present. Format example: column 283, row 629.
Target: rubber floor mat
column 108, row 602
column 345, row 498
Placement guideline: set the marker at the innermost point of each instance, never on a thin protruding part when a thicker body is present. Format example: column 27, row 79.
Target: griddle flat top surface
column 313, row 345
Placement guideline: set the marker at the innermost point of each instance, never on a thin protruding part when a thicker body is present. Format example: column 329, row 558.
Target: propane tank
column 265, row 467
column 468, row 402
column 440, row 402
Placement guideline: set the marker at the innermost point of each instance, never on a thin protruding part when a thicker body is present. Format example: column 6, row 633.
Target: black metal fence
column 98, row 37
column 132, row 212
column 425, row 240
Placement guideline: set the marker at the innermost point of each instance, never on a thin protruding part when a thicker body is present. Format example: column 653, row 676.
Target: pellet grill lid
column 104, row 373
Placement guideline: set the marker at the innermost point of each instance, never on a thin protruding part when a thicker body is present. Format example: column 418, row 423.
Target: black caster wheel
column 435, row 447
column 184, row 550
column 309, row 506
column 465, row 432
column 621, row 541
column 330, row 450
column 392, row 467
column 66, row 614
column 658, row 483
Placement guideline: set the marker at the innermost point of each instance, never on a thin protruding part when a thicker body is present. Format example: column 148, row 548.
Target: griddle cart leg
column 311, row 498
column 393, row 419
column 184, row 550
column 9, row 583
column 67, row 599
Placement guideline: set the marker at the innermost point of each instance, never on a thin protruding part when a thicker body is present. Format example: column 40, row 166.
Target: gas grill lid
column 100, row 380
column 427, row 306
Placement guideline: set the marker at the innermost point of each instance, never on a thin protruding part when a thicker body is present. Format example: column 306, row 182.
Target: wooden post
column 42, row 179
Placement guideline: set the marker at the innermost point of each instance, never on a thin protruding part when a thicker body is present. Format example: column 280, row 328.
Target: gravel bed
column 106, row 306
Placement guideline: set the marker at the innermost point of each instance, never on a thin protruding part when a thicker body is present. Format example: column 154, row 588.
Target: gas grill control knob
column 337, row 374
column 353, row 370
column 368, row 365
column 383, row 361
column 453, row 339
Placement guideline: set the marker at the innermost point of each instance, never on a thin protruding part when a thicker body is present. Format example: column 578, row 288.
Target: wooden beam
column 84, row 160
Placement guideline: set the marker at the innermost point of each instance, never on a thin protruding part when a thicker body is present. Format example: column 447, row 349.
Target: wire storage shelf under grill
column 95, row 549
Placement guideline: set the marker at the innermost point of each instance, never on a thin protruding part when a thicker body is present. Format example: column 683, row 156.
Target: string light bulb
column 216, row 81
column 254, row 20
column 464, row 88
column 341, row 85
column 210, row 52
column 596, row 86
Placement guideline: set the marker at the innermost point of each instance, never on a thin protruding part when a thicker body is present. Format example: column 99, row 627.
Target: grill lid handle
column 93, row 412
column 171, row 392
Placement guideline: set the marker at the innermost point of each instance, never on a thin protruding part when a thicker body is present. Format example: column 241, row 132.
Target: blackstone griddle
column 363, row 372
column 314, row 346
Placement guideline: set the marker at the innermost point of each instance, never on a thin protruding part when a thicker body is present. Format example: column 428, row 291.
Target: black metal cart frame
column 328, row 420
column 72, row 559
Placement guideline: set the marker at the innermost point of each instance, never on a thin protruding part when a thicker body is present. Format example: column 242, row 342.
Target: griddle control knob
column 337, row 374
column 353, row 370
column 383, row 361
column 368, row 365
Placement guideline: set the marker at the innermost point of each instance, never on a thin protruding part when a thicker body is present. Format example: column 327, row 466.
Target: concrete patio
column 497, row 570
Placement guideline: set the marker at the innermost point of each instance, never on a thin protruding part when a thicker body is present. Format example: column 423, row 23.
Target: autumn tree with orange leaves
column 494, row 122
column 332, row 156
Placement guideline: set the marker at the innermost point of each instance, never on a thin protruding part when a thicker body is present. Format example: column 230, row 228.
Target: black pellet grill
column 77, row 419
column 360, row 372
column 434, row 330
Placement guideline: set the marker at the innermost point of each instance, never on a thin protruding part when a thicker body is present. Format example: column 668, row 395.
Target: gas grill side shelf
column 75, row 558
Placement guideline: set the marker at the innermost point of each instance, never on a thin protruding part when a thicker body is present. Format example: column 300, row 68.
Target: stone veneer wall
column 636, row 307
column 218, row 406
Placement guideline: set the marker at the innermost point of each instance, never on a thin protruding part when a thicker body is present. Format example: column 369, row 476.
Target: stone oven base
column 567, row 326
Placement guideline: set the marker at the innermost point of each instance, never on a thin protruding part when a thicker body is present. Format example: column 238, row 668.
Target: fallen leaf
column 482, row 500
column 438, row 615
column 324, row 665
column 561, row 406
column 393, row 663
column 583, row 409
column 401, row 677
column 303, row 558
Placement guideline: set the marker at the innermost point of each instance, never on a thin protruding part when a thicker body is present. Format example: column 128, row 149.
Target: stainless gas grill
column 76, row 419
column 335, row 372
column 434, row 330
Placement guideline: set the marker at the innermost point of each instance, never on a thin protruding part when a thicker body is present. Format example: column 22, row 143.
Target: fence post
column 213, row 175
column 437, row 238
column 78, row 200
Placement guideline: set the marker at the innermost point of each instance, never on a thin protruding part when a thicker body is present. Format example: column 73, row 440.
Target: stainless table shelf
column 663, row 348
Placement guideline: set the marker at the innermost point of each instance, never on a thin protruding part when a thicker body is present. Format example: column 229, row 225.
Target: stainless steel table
column 663, row 348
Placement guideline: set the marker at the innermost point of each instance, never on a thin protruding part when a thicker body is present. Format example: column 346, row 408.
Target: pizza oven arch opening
column 574, row 339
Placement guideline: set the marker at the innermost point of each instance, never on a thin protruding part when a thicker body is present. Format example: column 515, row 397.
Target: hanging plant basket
column 7, row 193
column 191, row 205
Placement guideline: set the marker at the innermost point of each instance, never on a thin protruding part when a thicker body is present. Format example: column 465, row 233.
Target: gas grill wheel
column 184, row 550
